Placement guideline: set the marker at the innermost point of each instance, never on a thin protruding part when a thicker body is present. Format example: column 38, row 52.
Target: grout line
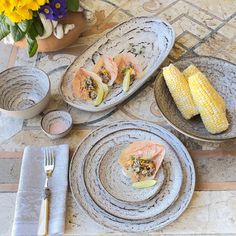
column 119, row 8
column 10, row 155
column 177, row 18
column 213, row 32
column 215, row 186
column 167, row 7
column 181, row 35
column 217, row 153
column 198, row 22
column 202, row 186
column 203, row 10
column 8, row 188
column 182, row 46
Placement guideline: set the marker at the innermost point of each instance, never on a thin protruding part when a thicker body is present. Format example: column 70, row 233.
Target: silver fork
column 49, row 164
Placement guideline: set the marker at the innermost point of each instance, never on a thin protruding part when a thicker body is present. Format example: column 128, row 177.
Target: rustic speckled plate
column 222, row 75
column 152, row 33
column 100, row 188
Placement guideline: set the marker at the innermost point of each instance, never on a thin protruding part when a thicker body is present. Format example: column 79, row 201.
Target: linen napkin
column 30, row 192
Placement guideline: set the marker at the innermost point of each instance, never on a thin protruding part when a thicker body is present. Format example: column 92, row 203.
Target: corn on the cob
column 191, row 70
column 179, row 89
column 213, row 117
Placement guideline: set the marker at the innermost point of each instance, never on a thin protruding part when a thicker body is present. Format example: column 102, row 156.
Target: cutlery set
column 49, row 165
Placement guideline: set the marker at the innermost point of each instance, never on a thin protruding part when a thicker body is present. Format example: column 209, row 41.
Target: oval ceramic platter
column 222, row 75
column 106, row 194
column 148, row 38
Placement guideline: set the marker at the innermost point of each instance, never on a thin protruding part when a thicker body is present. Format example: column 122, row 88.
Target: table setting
column 117, row 121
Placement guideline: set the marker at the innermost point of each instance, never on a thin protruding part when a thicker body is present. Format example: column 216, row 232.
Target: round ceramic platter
column 222, row 76
column 105, row 193
column 155, row 35
column 116, row 192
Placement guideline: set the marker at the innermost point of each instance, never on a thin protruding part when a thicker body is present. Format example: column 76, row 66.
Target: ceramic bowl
column 24, row 91
column 221, row 75
column 56, row 124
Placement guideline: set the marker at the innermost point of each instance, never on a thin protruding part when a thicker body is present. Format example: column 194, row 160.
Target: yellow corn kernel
column 213, row 117
column 179, row 89
column 191, row 70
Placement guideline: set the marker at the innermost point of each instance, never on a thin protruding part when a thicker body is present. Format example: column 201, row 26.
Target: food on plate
column 88, row 86
column 192, row 87
column 180, row 91
column 140, row 162
column 144, row 184
column 208, row 104
column 191, row 70
column 93, row 86
column 107, row 69
column 128, row 70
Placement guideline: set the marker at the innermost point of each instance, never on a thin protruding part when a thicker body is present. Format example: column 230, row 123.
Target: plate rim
column 97, row 109
column 141, row 122
column 141, row 202
column 196, row 137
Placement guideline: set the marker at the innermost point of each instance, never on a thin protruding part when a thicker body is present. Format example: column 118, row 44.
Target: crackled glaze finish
column 157, row 38
column 202, row 27
column 24, row 91
column 157, row 210
column 53, row 117
column 110, row 183
column 222, row 76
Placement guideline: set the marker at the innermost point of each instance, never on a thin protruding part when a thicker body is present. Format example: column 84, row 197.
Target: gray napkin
column 30, row 192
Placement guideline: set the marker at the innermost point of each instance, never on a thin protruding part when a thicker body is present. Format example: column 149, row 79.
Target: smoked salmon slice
column 107, row 69
column 141, row 160
column 126, row 61
column 88, row 86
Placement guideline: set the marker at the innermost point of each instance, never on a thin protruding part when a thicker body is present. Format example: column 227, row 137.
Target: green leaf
column 16, row 32
column 72, row 5
column 8, row 21
column 25, row 25
column 4, row 27
column 32, row 46
column 38, row 26
column 32, row 32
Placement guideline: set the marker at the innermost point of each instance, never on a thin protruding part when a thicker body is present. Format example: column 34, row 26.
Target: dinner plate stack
column 106, row 194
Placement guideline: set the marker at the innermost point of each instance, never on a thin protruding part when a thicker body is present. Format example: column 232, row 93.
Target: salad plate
column 149, row 39
column 221, row 75
column 100, row 187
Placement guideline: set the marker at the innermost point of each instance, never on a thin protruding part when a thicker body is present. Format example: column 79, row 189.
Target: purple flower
column 59, row 8
column 47, row 11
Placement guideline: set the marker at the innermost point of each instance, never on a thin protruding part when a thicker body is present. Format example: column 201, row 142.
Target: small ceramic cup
column 56, row 124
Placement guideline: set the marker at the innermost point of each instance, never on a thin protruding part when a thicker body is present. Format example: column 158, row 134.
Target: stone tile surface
column 218, row 8
column 5, row 54
column 211, row 213
column 184, row 24
column 203, row 27
column 36, row 137
column 184, row 8
column 188, row 40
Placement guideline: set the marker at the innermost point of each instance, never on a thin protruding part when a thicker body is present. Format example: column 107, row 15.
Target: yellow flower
column 4, row 4
column 19, row 10
column 13, row 16
column 25, row 13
